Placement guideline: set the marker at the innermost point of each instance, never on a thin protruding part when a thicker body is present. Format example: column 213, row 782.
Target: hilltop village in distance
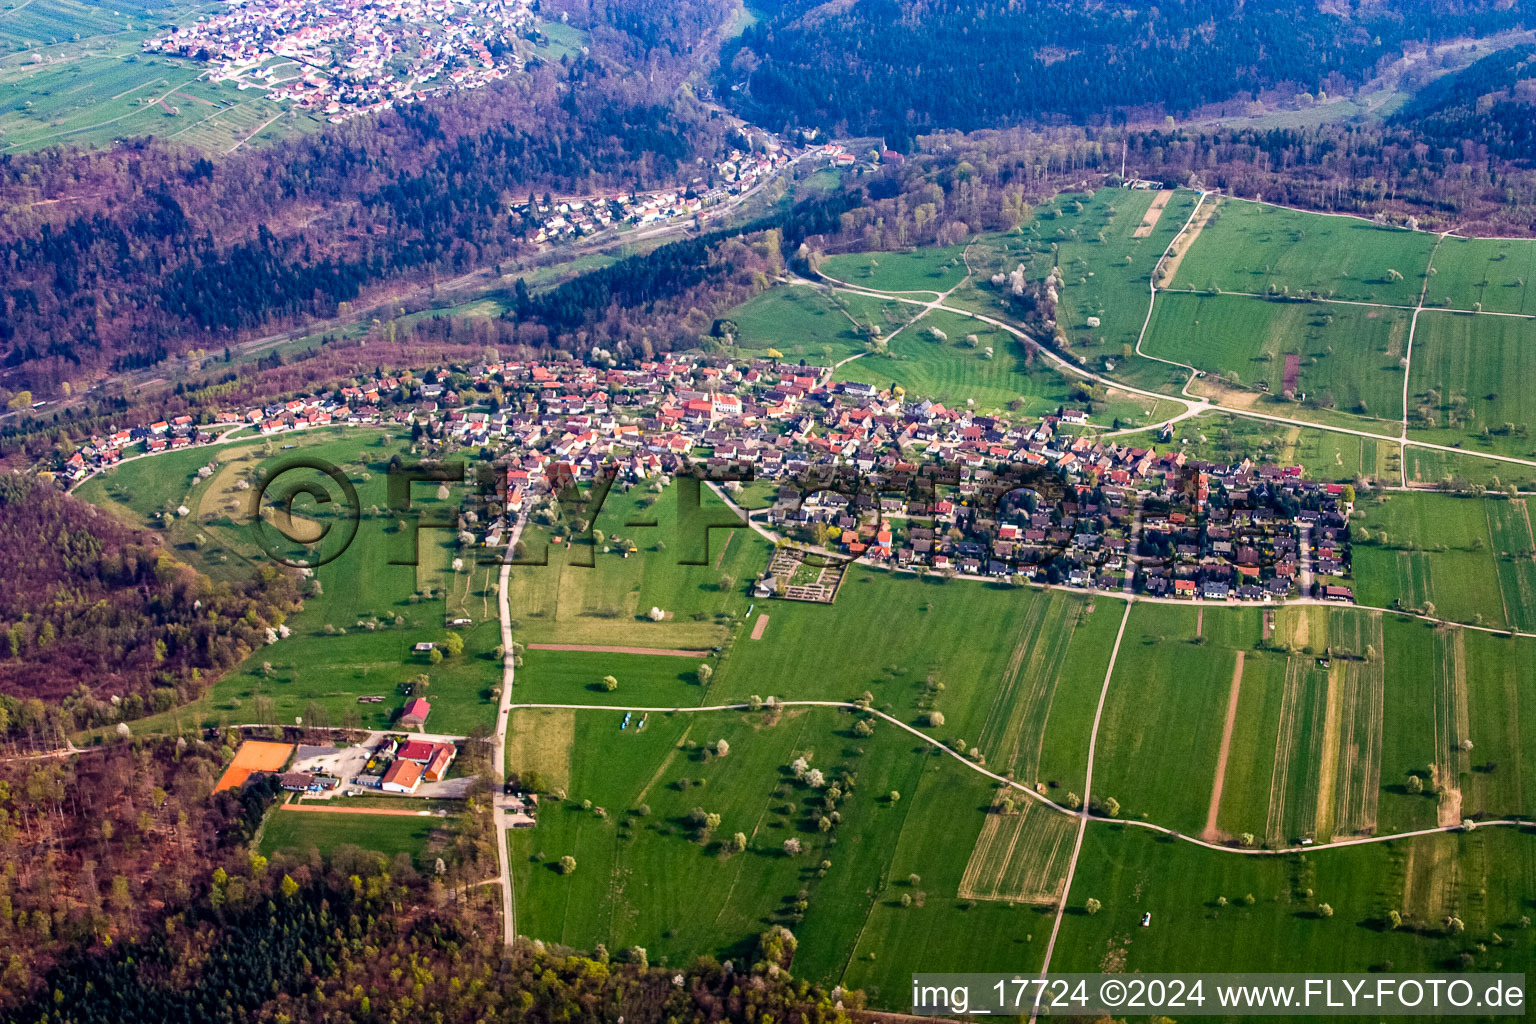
column 343, row 58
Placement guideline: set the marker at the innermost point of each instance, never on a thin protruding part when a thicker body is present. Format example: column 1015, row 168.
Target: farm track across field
column 1083, row 815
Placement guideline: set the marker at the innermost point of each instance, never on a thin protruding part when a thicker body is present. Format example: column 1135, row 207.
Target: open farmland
column 1467, row 558
column 940, row 930
column 1269, row 250
column 994, row 372
column 575, row 677
column 1021, row 857
column 1156, row 755
column 1235, row 913
column 1451, row 687
column 998, row 373
column 74, row 73
column 356, row 633
column 1106, row 273
column 540, row 747
column 1431, row 467
column 1491, row 274
column 803, row 324
column 608, row 601
column 1051, row 678
column 140, row 492
column 328, row 831
column 916, row 271
column 1161, row 732
column 642, row 859
column 1306, row 754
column 912, row 643
column 1473, row 382
column 1336, row 357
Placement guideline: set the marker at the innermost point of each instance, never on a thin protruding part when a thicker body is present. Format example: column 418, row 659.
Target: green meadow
column 142, row 491
column 1161, row 730
column 595, row 594
column 362, row 615
column 1269, row 250
column 1470, row 559
column 917, row 270
column 1490, row 274
column 301, row 831
column 991, row 374
column 806, row 325
column 1454, row 469
column 1202, row 913
column 1451, row 687
column 96, row 89
column 1106, row 273
column 1473, row 382
column 1347, row 357
column 641, row 864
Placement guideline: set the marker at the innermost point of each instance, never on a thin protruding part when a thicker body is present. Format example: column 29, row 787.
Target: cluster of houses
column 401, row 765
column 346, row 57
column 1061, row 508
column 1115, row 516
column 560, row 220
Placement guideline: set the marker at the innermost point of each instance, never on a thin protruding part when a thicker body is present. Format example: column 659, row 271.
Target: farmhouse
column 297, row 782
column 434, row 758
column 402, row 777
column 415, row 713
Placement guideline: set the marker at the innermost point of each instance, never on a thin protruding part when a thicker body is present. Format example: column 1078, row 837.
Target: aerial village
column 938, row 489
column 552, row 221
column 342, row 58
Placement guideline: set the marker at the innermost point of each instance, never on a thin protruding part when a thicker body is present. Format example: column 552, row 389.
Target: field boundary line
column 1082, row 814
column 1152, row 295
column 1082, row 823
column 1413, row 324
column 1230, row 722
column 658, row 652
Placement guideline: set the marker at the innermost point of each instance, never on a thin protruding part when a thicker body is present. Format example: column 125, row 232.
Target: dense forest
column 97, row 845
column 1491, row 104
column 356, row 938
column 99, row 622
column 900, row 68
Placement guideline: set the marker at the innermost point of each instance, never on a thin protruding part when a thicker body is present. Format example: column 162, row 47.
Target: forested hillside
column 357, row 939
column 97, row 846
column 897, row 68
column 1491, row 104
column 149, row 250
column 94, row 612
column 116, row 259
